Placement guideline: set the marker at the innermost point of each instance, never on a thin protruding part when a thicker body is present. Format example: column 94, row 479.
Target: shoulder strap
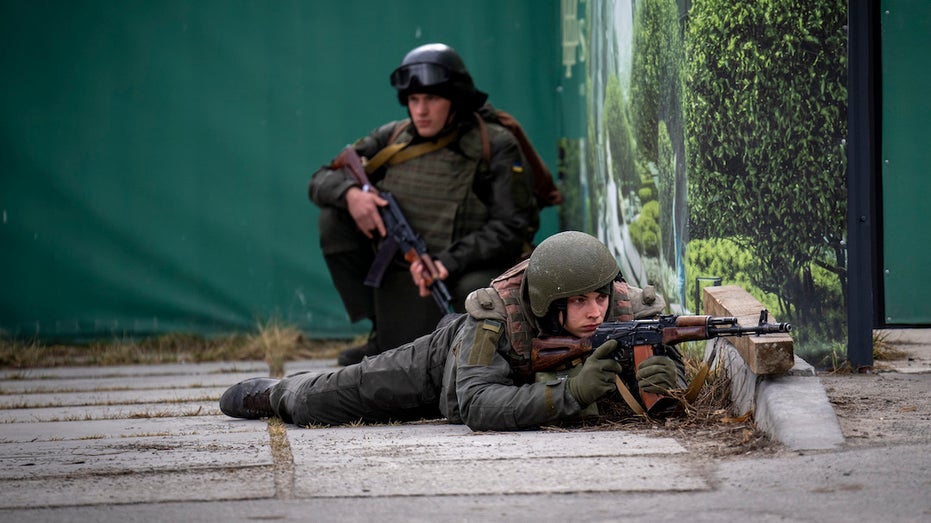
column 396, row 153
column 543, row 186
column 390, row 150
column 383, row 156
column 483, row 132
column 404, row 124
column 520, row 332
column 421, row 149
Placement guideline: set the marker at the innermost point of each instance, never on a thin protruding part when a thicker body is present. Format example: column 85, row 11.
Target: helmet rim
column 437, row 69
column 567, row 264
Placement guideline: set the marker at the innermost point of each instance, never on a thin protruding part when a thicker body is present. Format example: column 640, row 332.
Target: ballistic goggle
column 426, row 74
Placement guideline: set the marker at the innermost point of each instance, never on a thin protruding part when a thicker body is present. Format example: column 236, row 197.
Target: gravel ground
column 892, row 404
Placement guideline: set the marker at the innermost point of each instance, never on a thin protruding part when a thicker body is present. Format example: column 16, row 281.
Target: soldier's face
column 584, row 313
column 429, row 113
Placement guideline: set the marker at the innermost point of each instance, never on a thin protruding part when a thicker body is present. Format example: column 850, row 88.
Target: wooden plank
column 765, row 355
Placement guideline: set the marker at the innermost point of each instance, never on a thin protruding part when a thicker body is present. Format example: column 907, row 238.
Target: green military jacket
column 479, row 386
column 471, row 215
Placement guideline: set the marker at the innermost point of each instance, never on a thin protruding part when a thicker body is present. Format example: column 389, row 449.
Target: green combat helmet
column 568, row 264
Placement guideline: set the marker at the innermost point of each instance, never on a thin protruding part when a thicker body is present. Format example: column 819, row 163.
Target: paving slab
column 25, row 460
column 420, row 460
column 131, row 487
column 441, row 441
column 124, row 428
column 121, row 383
column 115, row 397
column 917, row 360
column 100, row 412
column 100, row 371
column 530, row 475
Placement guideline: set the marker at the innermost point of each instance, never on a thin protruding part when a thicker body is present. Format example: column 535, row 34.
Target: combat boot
column 249, row 399
column 354, row 355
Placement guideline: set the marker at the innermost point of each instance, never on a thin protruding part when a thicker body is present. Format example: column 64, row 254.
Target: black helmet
column 437, row 69
column 568, row 264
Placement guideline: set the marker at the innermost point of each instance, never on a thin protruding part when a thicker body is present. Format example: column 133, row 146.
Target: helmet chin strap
column 555, row 319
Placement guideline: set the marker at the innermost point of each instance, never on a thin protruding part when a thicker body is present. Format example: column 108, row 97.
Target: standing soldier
column 475, row 212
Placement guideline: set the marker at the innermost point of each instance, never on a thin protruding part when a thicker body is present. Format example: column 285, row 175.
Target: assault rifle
column 400, row 235
column 638, row 340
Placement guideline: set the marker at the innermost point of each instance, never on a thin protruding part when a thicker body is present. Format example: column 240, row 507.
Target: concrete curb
column 792, row 409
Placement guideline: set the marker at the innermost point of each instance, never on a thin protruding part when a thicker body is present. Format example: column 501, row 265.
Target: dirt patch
column 882, row 408
column 891, row 405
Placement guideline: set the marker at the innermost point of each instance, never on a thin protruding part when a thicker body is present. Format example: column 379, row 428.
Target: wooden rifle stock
column 555, row 352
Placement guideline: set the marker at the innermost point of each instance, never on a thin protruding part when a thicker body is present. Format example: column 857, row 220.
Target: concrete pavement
column 148, row 443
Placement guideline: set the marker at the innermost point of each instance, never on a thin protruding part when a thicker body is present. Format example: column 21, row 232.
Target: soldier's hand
column 597, row 375
column 422, row 278
column 657, row 375
column 363, row 207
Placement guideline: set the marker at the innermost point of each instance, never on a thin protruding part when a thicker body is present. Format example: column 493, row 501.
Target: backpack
column 544, row 188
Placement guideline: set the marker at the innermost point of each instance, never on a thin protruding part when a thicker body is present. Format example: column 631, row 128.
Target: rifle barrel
column 441, row 295
column 737, row 330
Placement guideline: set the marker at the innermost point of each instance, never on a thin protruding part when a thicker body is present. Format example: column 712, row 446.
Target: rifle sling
column 382, row 156
column 400, row 152
column 691, row 393
column 628, row 397
column 382, row 260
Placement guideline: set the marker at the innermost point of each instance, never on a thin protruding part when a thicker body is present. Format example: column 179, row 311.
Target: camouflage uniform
column 461, row 371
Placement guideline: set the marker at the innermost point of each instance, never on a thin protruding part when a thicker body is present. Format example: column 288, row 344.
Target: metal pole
column 863, row 125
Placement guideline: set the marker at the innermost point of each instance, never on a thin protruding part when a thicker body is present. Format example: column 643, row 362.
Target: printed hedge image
column 715, row 153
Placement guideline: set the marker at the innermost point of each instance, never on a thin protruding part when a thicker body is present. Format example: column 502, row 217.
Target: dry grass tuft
column 884, row 350
column 273, row 342
column 276, row 342
column 707, row 425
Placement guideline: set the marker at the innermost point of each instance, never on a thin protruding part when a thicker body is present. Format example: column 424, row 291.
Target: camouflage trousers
column 403, row 384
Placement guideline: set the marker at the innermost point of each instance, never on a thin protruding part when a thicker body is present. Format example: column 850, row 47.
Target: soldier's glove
column 597, row 375
column 657, row 375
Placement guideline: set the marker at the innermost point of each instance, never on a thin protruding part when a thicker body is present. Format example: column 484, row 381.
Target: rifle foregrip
column 552, row 352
